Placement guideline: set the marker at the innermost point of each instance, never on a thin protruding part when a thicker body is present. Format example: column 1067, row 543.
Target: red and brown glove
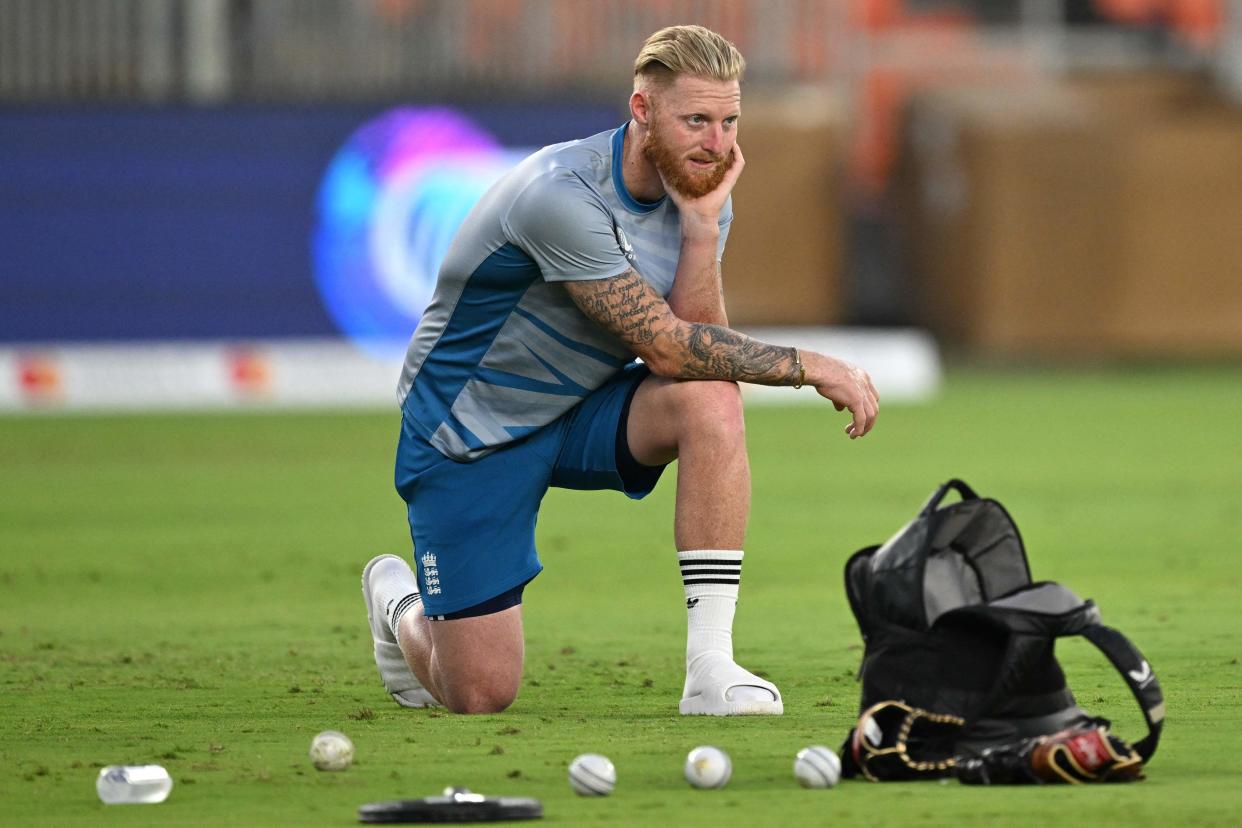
column 1075, row 756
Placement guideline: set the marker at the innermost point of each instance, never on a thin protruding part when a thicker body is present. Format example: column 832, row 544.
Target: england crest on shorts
column 431, row 573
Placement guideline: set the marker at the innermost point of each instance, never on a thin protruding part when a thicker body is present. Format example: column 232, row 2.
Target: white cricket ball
column 817, row 767
column 592, row 775
column 708, row 767
column 331, row 750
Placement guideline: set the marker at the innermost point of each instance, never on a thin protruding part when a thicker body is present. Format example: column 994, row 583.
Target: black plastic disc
column 468, row 808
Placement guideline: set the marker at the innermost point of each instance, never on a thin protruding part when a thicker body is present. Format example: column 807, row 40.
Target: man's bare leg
column 469, row 665
column 700, row 424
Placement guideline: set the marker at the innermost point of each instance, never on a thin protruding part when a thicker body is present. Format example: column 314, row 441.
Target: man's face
column 690, row 134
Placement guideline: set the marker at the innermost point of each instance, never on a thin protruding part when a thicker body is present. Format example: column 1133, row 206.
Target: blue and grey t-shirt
column 502, row 350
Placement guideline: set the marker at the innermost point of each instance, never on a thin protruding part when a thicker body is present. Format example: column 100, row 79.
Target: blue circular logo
column 388, row 207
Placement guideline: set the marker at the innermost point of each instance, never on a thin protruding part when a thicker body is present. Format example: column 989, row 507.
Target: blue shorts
column 473, row 524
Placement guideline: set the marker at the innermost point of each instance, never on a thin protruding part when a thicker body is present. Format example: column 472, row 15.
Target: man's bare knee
column 668, row 414
column 711, row 405
column 481, row 691
column 478, row 661
column 480, row 699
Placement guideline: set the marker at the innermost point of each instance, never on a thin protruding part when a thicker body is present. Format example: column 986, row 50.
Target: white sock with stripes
column 393, row 584
column 711, row 578
column 392, row 592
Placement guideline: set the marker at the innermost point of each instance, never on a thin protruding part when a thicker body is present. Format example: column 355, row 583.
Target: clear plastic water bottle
column 133, row 784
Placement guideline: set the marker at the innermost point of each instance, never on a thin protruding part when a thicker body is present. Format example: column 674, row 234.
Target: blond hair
column 687, row 50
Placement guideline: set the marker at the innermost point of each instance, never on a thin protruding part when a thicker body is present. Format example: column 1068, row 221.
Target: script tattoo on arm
column 625, row 305
column 632, row 310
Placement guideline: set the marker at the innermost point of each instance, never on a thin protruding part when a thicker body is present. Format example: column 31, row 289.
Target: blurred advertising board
column 175, row 224
column 199, row 258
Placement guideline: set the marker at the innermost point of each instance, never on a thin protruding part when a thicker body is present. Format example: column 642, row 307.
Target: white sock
column 711, row 578
column 393, row 583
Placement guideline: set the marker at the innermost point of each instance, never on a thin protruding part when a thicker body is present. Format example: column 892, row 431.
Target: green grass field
column 184, row 590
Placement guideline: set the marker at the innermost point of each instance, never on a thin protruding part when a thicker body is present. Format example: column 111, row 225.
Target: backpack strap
column 962, row 489
column 1140, row 678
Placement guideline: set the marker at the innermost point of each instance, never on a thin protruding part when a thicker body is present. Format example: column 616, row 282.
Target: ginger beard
column 690, row 182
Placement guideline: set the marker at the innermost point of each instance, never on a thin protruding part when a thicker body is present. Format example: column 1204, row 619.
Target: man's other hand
column 702, row 213
column 847, row 386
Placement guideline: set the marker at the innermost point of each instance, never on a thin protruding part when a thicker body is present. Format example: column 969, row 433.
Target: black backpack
column 953, row 624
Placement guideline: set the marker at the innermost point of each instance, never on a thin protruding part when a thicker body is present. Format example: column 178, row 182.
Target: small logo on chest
column 626, row 247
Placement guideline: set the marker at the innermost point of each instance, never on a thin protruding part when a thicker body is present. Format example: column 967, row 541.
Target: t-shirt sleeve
column 726, row 219
column 566, row 228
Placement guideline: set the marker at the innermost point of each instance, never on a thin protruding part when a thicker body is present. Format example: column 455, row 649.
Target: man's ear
column 640, row 107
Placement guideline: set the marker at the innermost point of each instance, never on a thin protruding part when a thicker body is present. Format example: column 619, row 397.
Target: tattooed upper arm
column 627, row 306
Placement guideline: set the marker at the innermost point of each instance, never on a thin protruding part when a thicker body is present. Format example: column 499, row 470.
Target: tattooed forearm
column 716, row 352
column 632, row 310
